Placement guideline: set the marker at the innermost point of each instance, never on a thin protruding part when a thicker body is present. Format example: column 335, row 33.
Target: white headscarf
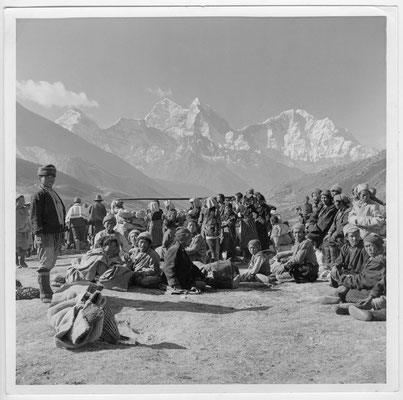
column 211, row 202
column 153, row 207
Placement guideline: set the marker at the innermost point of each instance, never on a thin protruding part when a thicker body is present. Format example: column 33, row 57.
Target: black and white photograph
column 206, row 199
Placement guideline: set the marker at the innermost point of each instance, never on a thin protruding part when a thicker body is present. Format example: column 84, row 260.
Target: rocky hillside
column 42, row 141
column 371, row 170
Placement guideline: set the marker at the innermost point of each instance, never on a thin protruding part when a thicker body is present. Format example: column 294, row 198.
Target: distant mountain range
column 175, row 152
column 197, row 145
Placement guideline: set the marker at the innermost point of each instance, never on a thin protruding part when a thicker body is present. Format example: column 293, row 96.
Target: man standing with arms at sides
column 47, row 216
column 97, row 213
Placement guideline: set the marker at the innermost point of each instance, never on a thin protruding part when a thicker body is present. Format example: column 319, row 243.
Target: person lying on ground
column 179, row 271
column 352, row 257
column 355, row 287
column 259, row 264
column 146, row 264
column 109, row 223
column 298, row 263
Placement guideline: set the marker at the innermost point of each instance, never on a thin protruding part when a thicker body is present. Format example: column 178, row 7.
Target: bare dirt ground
column 251, row 335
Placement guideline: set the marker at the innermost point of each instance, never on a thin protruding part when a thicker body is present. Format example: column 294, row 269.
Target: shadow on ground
column 117, row 304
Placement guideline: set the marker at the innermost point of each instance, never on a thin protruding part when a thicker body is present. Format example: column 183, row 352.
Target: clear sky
column 246, row 69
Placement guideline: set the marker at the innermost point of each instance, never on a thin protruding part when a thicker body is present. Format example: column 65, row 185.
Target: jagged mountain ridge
column 261, row 155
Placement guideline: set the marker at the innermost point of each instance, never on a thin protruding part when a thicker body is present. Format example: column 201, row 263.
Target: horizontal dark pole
column 164, row 198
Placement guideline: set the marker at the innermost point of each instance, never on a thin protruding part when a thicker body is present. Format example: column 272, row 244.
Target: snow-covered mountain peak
column 74, row 117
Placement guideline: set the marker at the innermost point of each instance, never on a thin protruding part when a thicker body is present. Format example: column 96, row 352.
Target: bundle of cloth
column 79, row 314
column 96, row 265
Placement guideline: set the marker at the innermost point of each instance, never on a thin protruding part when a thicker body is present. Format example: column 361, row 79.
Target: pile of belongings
column 79, row 314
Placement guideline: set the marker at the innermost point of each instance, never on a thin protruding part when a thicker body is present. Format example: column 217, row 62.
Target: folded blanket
column 79, row 315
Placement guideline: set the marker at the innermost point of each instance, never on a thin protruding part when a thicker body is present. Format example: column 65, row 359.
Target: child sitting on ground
column 259, row 265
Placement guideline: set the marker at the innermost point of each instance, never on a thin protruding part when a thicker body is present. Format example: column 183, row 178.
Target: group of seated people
column 187, row 257
column 350, row 234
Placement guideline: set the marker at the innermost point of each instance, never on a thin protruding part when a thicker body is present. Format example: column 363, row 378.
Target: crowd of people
column 335, row 237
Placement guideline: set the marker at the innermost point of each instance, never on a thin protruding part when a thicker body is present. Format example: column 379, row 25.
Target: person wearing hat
column 334, row 237
column 336, row 189
column 146, row 263
column 321, row 221
column 109, row 223
column 48, row 225
column 352, row 256
column 300, row 262
column 96, row 214
column 23, row 231
column 77, row 221
column 365, row 213
column 179, row 271
column 358, row 286
column 195, row 208
column 316, row 203
column 258, row 267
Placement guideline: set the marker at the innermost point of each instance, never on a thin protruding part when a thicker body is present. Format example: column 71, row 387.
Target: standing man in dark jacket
column 97, row 213
column 178, row 268
column 48, row 216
